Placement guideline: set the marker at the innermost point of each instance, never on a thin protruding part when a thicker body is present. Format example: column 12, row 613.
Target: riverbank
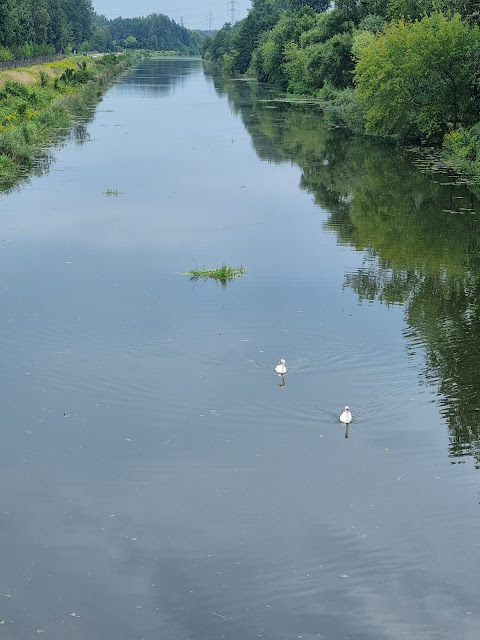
column 383, row 69
column 460, row 150
column 38, row 103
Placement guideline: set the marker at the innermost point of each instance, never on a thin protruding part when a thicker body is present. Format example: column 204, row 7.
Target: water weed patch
column 222, row 274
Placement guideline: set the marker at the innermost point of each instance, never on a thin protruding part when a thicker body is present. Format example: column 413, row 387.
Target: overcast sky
column 195, row 13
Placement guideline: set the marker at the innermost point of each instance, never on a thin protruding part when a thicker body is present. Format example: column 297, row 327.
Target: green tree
column 331, row 62
column 419, row 78
column 414, row 9
column 245, row 38
column 7, row 23
column 358, row 9
column 130, row 42
column 296, row 5
column 326, row 26
column 289, row 28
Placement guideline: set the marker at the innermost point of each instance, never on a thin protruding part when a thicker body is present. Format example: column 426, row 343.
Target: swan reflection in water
column 346, row 418
column 281, row 369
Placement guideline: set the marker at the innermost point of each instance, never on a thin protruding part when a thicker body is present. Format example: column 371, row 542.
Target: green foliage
column 16, row 89
column 32, row 28
column 256, row 45
column 273, row 58
column 417, row 77
column 344, row 108
column 331, row 61
column 130, row 42
column 468, row 9
column 372, row 23
column 6, row 54
column 38, row 28
column 44, row 77
column 356, row 10
column 296, row 69
column 32, row 116
column 462, row 149
column 108, row 60
column 326, row 26
column 220, row 44
column 297, row 50
column 155, row 32
column 75, row 78
column 296, row 5
column 223, row 274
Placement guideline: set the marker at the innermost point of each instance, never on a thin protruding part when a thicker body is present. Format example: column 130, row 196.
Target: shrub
column 109, row 60
column 16, row 89
column 44, row 78
column 75, row 78
column 6, row 54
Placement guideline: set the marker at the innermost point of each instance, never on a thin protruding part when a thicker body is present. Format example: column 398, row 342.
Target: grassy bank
column 38, row 103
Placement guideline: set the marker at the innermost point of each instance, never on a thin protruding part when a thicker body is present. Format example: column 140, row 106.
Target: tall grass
column 34, row 115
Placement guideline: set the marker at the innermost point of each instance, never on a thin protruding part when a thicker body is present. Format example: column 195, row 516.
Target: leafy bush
column 16, row 89
column 75, row 78
column 372, row 23
column 417, row 77
column 108, row 60
column 347, row 109
column 44, row 77
column 32, row 50
column 13, row 145
column 331, row 61
column 462, row 149
column 6, row 54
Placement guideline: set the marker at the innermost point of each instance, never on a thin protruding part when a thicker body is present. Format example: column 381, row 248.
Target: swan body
column 346, row 416
column 281, row 368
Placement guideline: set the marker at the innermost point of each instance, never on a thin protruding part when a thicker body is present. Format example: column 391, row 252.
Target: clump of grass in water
column 112, row 192
column 223, row 274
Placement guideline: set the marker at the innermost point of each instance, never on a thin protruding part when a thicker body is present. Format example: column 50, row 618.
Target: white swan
column 281, row 368
column 346, row 416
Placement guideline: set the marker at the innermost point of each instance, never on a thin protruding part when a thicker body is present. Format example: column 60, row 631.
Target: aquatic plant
column 223, row 274
column 112, row 192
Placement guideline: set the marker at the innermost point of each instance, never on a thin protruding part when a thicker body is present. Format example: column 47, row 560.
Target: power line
column 231, row 8
column 210, row 20
column 191, row 15
column 165, row 10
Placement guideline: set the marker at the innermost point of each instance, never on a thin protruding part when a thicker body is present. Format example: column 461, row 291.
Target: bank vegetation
column 407, row 69
column 39, row 103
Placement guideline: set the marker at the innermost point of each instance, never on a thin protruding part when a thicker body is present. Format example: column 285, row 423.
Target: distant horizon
column 194, row 14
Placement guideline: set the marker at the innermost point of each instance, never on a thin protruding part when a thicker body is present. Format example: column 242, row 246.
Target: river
column 158, row 479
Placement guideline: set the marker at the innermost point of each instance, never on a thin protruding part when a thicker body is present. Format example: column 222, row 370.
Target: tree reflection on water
column 418, row 231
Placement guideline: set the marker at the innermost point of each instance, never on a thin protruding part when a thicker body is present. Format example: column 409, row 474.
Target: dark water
column 156, row 481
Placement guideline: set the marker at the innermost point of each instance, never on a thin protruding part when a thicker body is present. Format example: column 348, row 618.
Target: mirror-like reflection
column 158, row 478
column 418, row 230
column 155, row 75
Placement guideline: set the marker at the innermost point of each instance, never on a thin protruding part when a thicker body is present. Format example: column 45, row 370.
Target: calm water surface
column 156, row 479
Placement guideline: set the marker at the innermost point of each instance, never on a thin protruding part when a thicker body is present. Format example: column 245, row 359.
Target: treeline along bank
column 409, row 69
column 31, row 28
